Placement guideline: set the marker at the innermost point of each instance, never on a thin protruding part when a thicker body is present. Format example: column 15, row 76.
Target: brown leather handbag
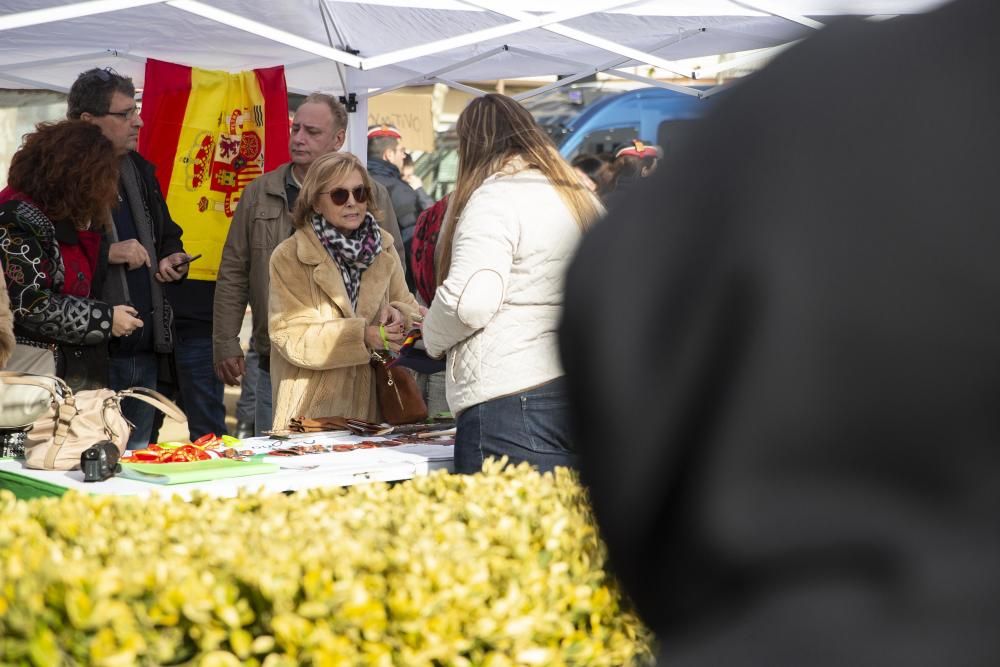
column 398, row 395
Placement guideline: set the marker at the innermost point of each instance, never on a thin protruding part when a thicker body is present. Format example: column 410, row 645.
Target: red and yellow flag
column 210, row 133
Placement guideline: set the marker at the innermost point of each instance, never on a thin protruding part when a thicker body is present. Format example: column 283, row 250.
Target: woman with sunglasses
column 513, row 223
column 337, row 293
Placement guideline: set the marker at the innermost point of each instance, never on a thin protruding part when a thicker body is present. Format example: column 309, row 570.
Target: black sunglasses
column 340, row 195
column 103, row 73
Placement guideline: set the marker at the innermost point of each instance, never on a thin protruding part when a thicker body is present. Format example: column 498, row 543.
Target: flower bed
column 501, row 568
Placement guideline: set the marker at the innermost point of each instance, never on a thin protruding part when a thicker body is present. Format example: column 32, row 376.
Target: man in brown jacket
column 263, row 219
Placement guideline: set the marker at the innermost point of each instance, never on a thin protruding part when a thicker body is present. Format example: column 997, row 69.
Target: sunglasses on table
column 340, row 195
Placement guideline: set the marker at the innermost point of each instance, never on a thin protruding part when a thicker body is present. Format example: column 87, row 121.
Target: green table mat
column 26, row 488
column 195, row 471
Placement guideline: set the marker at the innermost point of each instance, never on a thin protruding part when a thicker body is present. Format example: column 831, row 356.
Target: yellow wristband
column 385, row 340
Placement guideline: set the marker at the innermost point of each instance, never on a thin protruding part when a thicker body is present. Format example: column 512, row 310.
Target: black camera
column 100, row 462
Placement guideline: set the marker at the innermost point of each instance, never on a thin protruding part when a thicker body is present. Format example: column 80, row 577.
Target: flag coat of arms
column 210, row 133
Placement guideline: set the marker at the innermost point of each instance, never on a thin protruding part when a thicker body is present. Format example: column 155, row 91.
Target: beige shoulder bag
column 74, row 422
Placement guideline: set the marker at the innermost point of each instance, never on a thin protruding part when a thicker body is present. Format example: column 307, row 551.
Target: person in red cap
column 637, row 159
column 633, row 162
column 386, row 155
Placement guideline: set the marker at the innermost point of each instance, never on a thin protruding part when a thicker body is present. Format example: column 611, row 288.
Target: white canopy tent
column 367, row 47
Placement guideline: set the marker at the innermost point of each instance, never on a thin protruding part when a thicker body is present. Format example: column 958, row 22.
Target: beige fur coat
column 319, row 360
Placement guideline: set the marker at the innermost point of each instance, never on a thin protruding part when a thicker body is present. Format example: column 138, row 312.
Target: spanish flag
column 210, row 133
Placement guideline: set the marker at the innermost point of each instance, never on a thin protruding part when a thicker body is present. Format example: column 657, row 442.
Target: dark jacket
column 788, row 417
column 404, row 198
column 406, row 202
column 166, row 238
column 77, row 329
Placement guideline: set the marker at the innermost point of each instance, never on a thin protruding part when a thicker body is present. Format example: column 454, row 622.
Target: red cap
column 383, row 131
column 639, row 149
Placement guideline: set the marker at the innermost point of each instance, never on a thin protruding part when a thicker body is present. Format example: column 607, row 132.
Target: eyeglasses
column 339, row 195
column 128, row 114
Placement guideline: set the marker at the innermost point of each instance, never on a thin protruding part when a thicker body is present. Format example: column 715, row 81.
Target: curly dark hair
column 70, row 170
column 92, row 91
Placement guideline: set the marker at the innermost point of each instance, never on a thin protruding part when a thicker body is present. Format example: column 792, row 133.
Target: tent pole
column 32, row 83
column 694, row 92
column 765, row 7
column 424, row 78
column 357, row 121
column 325, row 11
column 460, row 86
column 60, row 61
column 584, row 37
column 712, row 70
column 265, row 31
column 530, row 22
column 71, row 11
column 605, row 66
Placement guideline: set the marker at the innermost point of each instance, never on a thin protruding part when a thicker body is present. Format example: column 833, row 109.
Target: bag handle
column 156, row 399
column 35, row 380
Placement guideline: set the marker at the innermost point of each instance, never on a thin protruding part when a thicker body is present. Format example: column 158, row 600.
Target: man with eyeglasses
column 146, row 249
column 263, row 219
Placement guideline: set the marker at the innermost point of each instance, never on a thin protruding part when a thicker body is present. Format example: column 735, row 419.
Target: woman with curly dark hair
column 61, row 186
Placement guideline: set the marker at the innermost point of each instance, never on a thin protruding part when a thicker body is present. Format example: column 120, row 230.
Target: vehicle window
column 607, row 140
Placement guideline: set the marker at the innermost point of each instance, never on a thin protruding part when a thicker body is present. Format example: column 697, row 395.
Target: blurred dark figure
column 597, row 173
column 789, row 419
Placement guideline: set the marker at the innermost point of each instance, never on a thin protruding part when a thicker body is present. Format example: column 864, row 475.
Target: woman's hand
column 418, row 319
column 124, row 321
column 394, row 338
column 392, row 318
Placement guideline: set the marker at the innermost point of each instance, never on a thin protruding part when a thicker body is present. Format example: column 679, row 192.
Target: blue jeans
column 136, row 370
column 263, row 412
column 530, row 426
column 246, row 407
column 200, row 393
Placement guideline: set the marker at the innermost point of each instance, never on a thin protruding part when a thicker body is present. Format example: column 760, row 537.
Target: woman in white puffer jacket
column 513, row 223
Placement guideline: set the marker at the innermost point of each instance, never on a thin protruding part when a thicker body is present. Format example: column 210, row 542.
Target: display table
column 296, row 473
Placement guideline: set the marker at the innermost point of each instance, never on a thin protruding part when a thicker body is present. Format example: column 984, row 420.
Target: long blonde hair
column 492, row 130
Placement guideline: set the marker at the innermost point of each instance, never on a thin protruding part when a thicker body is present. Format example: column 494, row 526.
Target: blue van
column 597, row 121
column 652, row 114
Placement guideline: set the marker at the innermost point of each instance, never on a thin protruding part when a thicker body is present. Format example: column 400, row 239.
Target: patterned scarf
column 352, row 253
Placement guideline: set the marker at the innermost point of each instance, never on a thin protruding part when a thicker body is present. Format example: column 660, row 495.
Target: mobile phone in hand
column 185, row 261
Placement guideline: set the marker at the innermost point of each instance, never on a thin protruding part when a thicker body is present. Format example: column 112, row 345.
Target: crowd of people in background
column 784, row 417
column 335, row 260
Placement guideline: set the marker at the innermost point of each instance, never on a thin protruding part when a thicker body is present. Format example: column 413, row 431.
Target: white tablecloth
column 308, row 471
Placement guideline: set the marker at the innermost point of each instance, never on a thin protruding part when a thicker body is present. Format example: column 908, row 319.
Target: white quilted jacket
column 496, row 316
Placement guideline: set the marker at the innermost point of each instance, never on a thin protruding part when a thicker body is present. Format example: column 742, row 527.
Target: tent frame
column 350, row 63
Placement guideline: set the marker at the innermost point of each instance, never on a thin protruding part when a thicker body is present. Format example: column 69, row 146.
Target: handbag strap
column 43, row 381
column 65, row 413
column 156, row 399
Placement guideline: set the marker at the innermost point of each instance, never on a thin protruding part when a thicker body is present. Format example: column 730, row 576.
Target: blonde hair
column 332, row 167
column 492, row 130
